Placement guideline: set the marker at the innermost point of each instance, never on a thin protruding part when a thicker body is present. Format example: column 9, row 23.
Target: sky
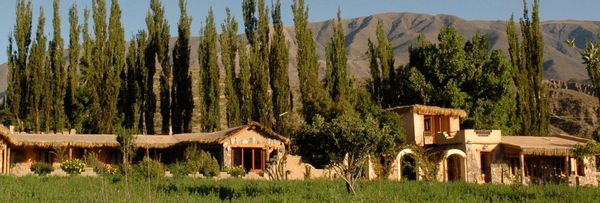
column 134, row 12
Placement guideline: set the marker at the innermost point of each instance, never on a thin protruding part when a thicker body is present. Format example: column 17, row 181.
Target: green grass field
column 80, row 189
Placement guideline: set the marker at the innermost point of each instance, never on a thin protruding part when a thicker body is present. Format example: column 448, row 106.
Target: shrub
column 201, row 161
column 41, row 168
column 236, row 171
column 181, row 169
column 149, row 168
column 73, row 166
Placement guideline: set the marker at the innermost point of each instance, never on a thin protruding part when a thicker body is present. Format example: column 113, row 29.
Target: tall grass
column 82, row 189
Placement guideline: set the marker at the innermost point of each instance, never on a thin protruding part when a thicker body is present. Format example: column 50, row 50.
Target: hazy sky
column 134, row 11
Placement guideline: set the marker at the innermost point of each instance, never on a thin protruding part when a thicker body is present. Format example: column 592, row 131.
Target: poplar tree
column 17, row 62
column 313, row 95
column 156, row 52
column 115, row 64
column 383, row 75
column 527, row 61
column 162, row 50
column 37, row 85
column 182, row 102
column 262, row 111
column 209, row 76
column 243, row 84
column 279, row 71
column 72, row 80
column 86, row 79
column 58, row 75
column 132, row 77
column 336, row 79
column 228, row 40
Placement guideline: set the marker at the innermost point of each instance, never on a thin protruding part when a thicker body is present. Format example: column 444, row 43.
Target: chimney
column 72, row 132
column 11, row 128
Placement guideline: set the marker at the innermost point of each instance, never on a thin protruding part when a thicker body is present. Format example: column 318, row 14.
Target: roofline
column 7, row 135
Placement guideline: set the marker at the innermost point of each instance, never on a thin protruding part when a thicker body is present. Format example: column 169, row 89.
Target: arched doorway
column 407, row 165
column 455, row 165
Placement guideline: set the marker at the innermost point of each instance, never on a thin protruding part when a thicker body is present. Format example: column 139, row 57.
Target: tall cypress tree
column 527, row 61
column 17, row 62
column 57, row 72
column 72, row 80
column 313, row 97
column 182, row 102
column 209, row 76
column 37, row 80
column 279, row 71
column 229, row 46
column 336, row 79
column 243, row 84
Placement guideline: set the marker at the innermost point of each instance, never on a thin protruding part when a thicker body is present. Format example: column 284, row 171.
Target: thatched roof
column 143, row 141
column 221, row 136
column 429, row 110
column 560, row 145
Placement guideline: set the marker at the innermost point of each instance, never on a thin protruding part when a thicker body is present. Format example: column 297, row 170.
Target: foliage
column 209, row 76
column 41, row 168
column 427, row 159
column 276, row 168
column 73, row 166
column 586, row 150
column 243, row 84
column 149, row 168
column 528, row 71
column 61, row 153
column 236, row 171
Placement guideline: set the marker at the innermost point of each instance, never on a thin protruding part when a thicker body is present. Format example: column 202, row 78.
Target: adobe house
column 250, row 146
column 485, row 156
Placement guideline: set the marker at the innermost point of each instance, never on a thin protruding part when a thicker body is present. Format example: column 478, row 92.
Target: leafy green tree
column 345, row 143
column 313, row 95
column 18, row 61
column 337, row 80
column 243, row 84
column 209, row 76
column 57, row 84
column 250, row 20
column 279, row 72
column 462, row 75
column 182, row 101
column 72, row 79
column 37, row 84
column 229, row 46
column 528, row 71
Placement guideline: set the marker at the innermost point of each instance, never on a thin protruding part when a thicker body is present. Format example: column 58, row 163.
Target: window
column 427, row 123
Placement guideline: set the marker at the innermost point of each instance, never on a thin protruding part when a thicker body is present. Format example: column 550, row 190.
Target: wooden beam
column 522, row 160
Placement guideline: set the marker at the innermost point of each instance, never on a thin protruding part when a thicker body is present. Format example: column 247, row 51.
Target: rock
column 59, row 172
column 168, row 174
column 196, row 175
column 253, row 176
column 21, row 169
column 88, row 172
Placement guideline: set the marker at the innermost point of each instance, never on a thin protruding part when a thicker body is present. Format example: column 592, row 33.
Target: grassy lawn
column 80, row 189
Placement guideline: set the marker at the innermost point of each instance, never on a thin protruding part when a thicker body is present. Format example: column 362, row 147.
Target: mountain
column 561, row 61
